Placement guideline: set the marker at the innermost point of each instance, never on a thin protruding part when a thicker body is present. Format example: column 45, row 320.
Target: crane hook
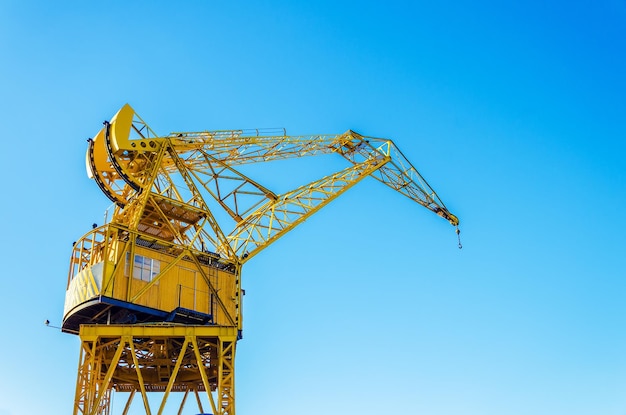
column 458, row 234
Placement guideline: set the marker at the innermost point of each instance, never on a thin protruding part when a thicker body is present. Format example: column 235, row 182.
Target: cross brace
column 155, row 358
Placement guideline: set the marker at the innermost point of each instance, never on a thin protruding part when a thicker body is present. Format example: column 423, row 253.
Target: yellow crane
column 155, row 294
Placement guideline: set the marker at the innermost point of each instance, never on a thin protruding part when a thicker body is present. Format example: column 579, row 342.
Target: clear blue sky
column 515, row 113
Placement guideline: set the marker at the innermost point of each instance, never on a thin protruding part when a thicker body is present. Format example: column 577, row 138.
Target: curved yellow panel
column 99, row 159
column 121, row 124
column 88, row 165
column 100, row 168
column 130, row 133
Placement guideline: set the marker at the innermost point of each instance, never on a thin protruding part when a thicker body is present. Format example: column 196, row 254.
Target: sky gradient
column 515, row 114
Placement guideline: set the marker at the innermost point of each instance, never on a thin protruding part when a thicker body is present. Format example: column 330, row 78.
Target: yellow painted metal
column 245, row 147
column 184, row 223
column 100, row 168
column 159, row 358
column 130, row 133
column 275, row 218
column 130, row 400
column 102, row 265
column 184, row 169
column 182, row 403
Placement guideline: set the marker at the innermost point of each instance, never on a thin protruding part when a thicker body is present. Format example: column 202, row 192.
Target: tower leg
column 226, row 387
column 92, row 395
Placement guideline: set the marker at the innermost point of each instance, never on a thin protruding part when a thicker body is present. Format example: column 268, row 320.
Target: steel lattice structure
column 155, row 294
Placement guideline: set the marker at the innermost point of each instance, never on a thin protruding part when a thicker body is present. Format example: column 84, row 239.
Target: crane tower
column 155, row 293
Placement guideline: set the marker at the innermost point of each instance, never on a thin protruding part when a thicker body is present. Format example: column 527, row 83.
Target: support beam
column 155, row 358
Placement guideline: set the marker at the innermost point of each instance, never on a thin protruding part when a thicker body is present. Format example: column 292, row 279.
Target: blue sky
column 515, row 113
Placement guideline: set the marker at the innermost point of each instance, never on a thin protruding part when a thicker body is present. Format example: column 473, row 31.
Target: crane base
column 160, row 358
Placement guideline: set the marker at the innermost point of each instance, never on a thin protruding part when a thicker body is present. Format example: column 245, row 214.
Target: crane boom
column 237, row 148
column 191, row 168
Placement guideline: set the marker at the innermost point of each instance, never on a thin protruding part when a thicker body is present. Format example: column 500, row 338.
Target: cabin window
column 144, row 268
